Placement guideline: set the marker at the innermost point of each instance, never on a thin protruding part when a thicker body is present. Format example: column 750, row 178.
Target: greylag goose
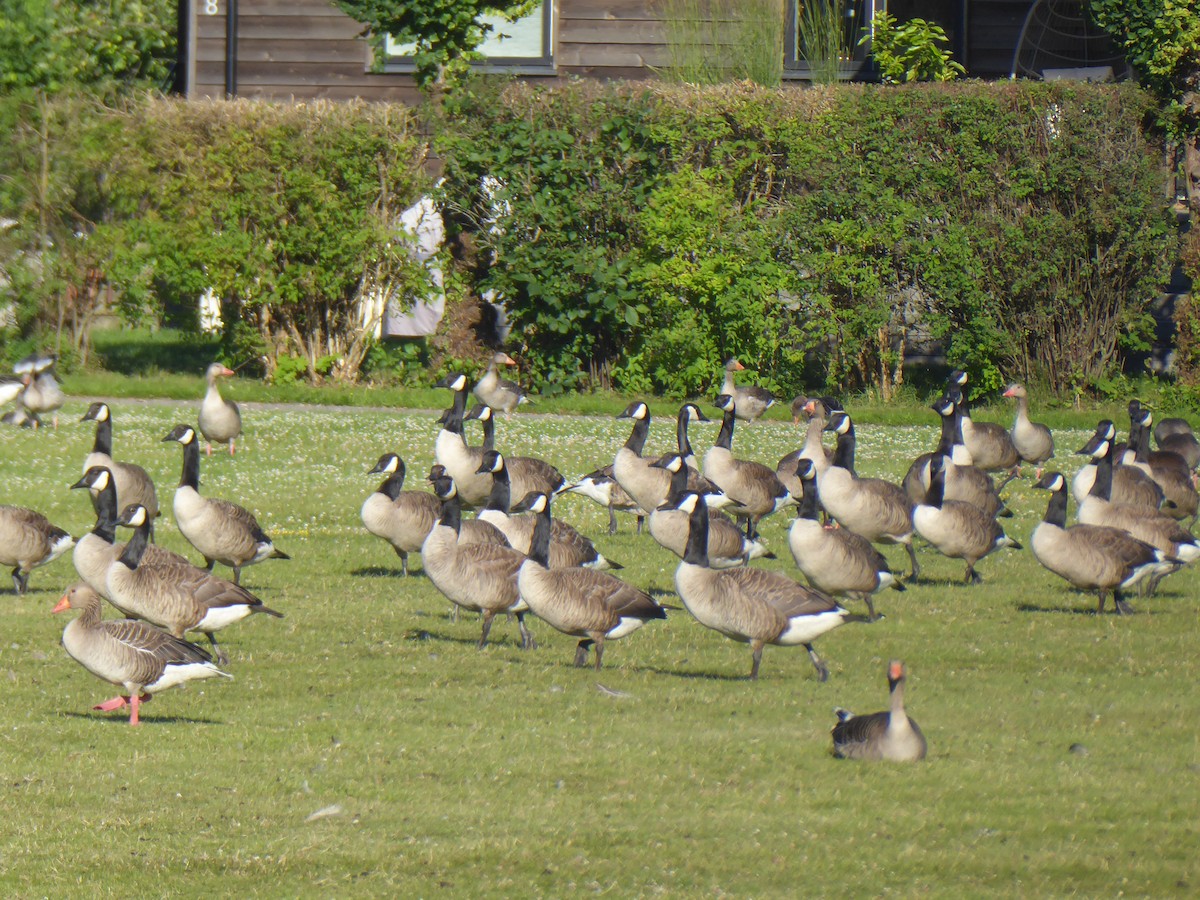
column 889, row 735
column 130, row 481
column 1033, row 440
column 749, row 402
column 220, row 421
column 496, row 392
column 222, row 531
column 135, row 656
column 27, row 541
column 752, row 606
column 1093, row 557
column 584, row 603
column 42, row 393
column 753, row 489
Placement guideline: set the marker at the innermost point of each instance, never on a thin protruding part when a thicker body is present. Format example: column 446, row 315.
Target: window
column 839, row 23
column 523, row 46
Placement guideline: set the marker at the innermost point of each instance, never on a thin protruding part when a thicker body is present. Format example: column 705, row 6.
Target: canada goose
column 1130, row 485
column 1176, row 436
column 130, row 481
column 727, row 546
column 753, row 606
column 1033, row 440
column 647, row 486
column 28, row 540
column 527, row 473
column 567, row 546
column 688, row 413
column 601, row 486
column 133, row 655
column 1145, row 524
column 957, row 529
column 222, row 531
column 817, row 409
column 10, row 388
column 1168, row 469
column 835, row 560
column 964, row 481
column 496, row 392
column 402, row 518
column 1093, row 557
column 96, row 550
column 176, row 596
column 477, row 577
column 452, row 451
column 584, row 603
column 990, row 444
column 876, row 509
column 749, row 402
column 220, row 421
column 889, row 735
column 754, row 488
column 42, row 393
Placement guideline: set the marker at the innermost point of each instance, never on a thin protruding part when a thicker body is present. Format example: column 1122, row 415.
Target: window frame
column 795, row 68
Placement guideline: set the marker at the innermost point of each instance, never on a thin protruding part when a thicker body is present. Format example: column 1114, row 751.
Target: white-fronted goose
column 584, row 603
column 135, row 656
column 958, row 530
column 876, row 509
column 527, row 473
column 835, row 560
column 220, row 421
column 96, row 550
column 749, row 402
column 727, row 546
column 567, row 546
column 130, row 481
column 42, row 393
column 1093, row 557
column 753, row 489
column 753, row 606
column 601, row 487
column 222, row 531
column 477, row 577
column 451, row 450
column 889, row 735
column 27, row 541
column 1033, row 440
column 179, row 597
column 496, row 392
column 990, row 444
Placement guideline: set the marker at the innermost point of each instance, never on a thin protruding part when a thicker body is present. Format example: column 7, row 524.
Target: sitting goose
column 42, row 393
column 601, row 487
column 477, row 577
column 835, row 560
column 131, row 483
column 1093, row 557
column 527, row 473
column 753, row 606
column 749, row 402
column 176, row 596
column 1033, row 440
column 220, row 421
column 222, row 531
column 584, row 603
column 889, row 735
column 990, row 444
column 496, row 392
column 754, row 489
column 96, row 550
column 133, row 655
column 27, row 541
column 567, row 546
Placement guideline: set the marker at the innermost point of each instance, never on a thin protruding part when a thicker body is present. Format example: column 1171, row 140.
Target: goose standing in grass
column 42, row 393
column 220, row 421
column 135, row 656
column 727, row 546
column 1093, row 557
column 451, row 450
column 527, row 473
column 876, row 509
column 222, row 531
column 817, row 409
column 1130, row 486
column 889, row 735
column 600, row 486
column 176, row 596
column 1176, row 436
column 477, row 577
column 27, row 541
column 957, row 529
column 753, row 606
column 1033, row 440
column 496, row 392
column 96, row 550
column 964, row 480
column 754, row 489
column 749, row 402
column 991, row 445
column 835, row 560
column 1168, row 469
column 131, row 483
column 567, row 546
column 584, row 603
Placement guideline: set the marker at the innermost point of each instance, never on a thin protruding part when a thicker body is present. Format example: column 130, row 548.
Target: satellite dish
column 1059, row 41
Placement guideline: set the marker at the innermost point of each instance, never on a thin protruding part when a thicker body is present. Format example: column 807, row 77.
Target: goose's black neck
column 1102, row 486
column 678, row 484
column 451, row 513
column 539, row 546
column 1056, row 509
column 105, row 504
column 190, row 477
column 637, row 437
column 951, row 425
column 725, row 435
column 392, row 486
column 810, row 504
column 843, row 456
column 696, row 551
column 103, row 442
column 131, row 556
column 937, row 486
column 489, row 432
column 681, row 434
column 1140, row 444
column 454, row 415
column 500, row 497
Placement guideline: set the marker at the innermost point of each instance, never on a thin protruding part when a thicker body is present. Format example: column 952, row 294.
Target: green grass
column 502, row 773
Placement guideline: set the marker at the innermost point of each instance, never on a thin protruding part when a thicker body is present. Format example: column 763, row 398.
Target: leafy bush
column 911, row 51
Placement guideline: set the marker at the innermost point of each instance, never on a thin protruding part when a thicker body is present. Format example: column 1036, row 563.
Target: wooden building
column 307, row 49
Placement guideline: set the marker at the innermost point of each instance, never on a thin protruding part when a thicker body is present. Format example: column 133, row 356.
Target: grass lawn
column 366, row 748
